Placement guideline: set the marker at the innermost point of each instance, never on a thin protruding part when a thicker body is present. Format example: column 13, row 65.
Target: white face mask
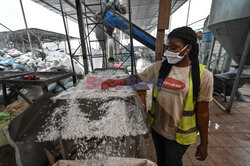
column 173, row 57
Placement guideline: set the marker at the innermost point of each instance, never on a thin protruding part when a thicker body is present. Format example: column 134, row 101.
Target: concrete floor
column 229, row 137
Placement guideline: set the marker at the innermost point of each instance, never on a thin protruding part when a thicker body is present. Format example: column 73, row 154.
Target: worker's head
column 111, row 60
column 199, row 35
column 183, row 40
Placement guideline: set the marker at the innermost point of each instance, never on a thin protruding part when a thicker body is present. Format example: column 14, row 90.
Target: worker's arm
column 126, row 81
column 202, row 109
column 149, row 75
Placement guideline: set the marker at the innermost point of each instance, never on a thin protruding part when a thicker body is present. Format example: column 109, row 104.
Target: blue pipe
column 115, row 20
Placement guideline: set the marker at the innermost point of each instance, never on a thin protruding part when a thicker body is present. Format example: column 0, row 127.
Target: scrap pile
column 14, row 60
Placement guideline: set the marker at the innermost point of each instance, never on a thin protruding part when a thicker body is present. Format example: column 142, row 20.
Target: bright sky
column 198, row 9
column 37, row 17
column 40, row 17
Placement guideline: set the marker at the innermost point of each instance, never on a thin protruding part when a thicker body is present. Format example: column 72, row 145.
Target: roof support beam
column 58, row 10
column 133, row 66
column 27, row 29
column 188, row 12
column 81, row 31
column 67, row 36
column 163, row 23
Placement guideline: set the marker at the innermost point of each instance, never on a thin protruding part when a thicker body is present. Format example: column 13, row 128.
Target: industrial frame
column 236, row 83
column 86, row 37
column 245, row 52
column 66, row 31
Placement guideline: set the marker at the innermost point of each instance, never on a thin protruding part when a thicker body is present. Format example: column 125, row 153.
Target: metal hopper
column 230, row 23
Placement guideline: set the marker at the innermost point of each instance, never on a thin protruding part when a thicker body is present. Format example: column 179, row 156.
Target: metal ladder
column 89, row 23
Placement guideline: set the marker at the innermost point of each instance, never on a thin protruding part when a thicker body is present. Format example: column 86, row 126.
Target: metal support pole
column 226, row 64
column 67, row 26
column 97, row 24
column 245, row 52
column 104, row 51
column 197, row 21
column 211, row 53
column 217, row 61
column 219, row 104
column 94, row 25
column 65, row 45
column 5, row 95
column 81, row 31
column 88, row 44
column 22, row 95
column 188, row 12
column 111, row 37
column 26, row 25
column 131, row 40
column 99, row 21
column 6, row 27
column 23, row 49
column 67, row 36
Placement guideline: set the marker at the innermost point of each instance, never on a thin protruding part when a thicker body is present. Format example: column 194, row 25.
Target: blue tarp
column 9, row 63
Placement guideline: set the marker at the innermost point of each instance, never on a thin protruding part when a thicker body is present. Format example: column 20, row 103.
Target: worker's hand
column 110, row 83
column 201, row 152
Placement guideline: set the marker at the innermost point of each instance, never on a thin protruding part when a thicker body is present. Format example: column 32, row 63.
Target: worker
column 111, row 62
column 101, row 35
column 181, row 96
column 117, row 64
column 108, row 29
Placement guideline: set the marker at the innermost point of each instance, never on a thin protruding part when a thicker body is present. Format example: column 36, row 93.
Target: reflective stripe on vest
column 186, row 131
column 151, row 114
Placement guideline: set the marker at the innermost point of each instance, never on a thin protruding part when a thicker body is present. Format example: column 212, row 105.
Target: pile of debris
column 14, row 60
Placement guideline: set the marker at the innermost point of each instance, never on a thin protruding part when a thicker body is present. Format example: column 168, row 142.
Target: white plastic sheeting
column 14, row 60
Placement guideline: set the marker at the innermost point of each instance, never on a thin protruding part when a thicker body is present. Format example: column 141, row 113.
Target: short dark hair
column 111, row 59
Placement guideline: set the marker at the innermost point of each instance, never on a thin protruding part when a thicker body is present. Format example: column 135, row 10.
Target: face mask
column 173, row 57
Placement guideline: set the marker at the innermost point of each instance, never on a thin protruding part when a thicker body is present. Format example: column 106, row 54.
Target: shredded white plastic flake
column 216, row 126
column 116, row 114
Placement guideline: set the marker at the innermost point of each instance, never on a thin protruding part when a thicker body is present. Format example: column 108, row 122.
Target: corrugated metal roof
column 43, row 35
column 144, row 12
